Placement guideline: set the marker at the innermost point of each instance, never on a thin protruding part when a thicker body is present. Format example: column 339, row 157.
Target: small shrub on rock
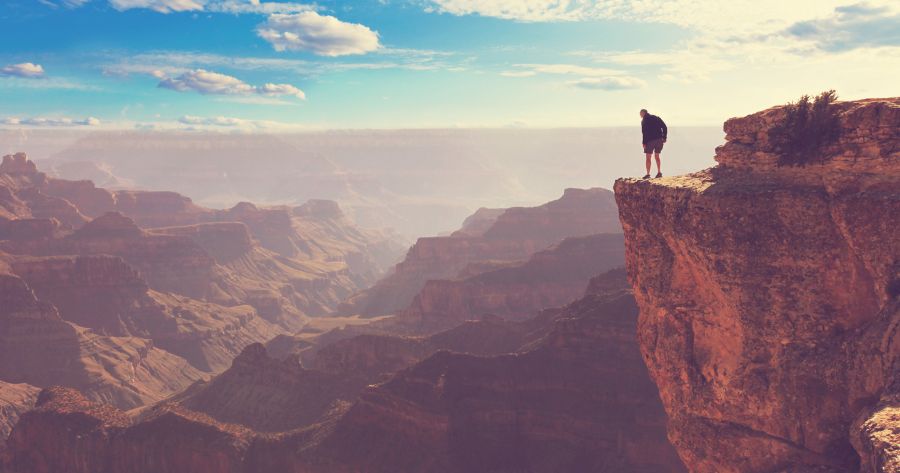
column 807, row 128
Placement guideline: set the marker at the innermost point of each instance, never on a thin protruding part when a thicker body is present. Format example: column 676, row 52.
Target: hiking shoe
column 646, row 177
column 659, row 174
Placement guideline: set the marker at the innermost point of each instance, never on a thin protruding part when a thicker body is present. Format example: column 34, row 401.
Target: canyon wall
column 567, row 391
column 488, row 239
column 768, row 298
column 550, row 278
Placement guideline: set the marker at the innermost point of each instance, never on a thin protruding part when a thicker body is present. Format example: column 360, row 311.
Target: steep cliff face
column 270, row 395
column 512, row 236
column 575, row 398
column 768, row 298
column 15, row 400
column 22, row 196
column 105, row 294
column 314, row 233
column 550, row 278
column 39, row 348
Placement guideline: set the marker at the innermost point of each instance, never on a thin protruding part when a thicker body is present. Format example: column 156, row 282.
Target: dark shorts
column 654, row 146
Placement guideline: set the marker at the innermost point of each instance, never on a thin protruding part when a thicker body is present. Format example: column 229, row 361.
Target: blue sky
column 269, row 65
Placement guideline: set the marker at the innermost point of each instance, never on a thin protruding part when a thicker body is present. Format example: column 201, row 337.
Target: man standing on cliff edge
column 655, row 132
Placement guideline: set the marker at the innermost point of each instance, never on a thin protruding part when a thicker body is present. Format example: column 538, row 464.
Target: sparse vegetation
column 807, row 127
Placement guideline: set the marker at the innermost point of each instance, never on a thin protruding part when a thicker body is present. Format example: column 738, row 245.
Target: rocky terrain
column 489, row 239
column 15, row 399
column 550, row 278
column 571, row 394
column 132, row 296
column 38, row 347
column 768, row 298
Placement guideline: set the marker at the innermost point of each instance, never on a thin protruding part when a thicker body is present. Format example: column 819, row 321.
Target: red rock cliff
column 769, row 298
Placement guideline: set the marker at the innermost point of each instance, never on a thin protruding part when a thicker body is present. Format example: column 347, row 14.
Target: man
column 655, row 132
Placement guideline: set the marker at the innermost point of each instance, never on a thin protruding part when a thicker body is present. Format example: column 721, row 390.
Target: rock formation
column 38, row 347
column 550, row 278
column 768, row 298
column 92, row 298
column 512, row 236
column 575, row 397
column 15, row 399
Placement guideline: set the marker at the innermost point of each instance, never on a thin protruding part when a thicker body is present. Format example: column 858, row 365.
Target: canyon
column 448, row 412
column 488, row 240
column 739, row 319
column 132, row 296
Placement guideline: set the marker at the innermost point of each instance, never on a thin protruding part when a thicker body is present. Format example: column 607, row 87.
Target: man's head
column 643, row 112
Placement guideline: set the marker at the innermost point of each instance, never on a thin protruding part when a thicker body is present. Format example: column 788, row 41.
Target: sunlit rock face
column 550, row 278
column 489, row 239
column 15, row 399
column 768, row 298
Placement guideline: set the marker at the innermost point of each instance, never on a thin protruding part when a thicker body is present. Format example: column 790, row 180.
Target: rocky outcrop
column 312, row 235
column 575, row 398
column 16, row 164
column 39, row 348
column 105, row 294
column 768, row 298
column 15, row 399
column 512, row 236
column 270, row 395
column 550, row 278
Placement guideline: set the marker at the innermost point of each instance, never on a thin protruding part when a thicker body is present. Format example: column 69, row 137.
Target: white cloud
column 26, row 69
column 744, row 33
column 213, row 121
column 318, row 34
column 521, row 10
column 214, row 83
column 518, row 73
column 232, row 123
column 255, row 6
column 608, row 83
column 64, row 3
column 574, row 69
column 169, row 63
column 49, row 122
column 161, row 6
column 280, row 89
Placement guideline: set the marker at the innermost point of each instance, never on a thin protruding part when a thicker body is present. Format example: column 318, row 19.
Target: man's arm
column 665, row 129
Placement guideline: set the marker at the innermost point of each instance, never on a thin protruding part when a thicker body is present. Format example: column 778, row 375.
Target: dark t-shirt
column 653, row 128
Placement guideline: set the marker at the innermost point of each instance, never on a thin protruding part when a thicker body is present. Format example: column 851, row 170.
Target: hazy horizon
column 416, row 182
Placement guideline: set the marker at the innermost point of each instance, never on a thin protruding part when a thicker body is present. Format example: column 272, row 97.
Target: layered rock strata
column 768, row 298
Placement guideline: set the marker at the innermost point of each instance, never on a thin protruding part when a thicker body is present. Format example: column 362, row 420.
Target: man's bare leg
column 658, row 170
column 648, row 162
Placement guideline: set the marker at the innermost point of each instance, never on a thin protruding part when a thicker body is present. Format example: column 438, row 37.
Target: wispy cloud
column 177, row 62
column 608, row 83
column 26, row 70
column 161, row 6
column 763, row 32
column 318, row 34
column 572, row 69
column 256, row 6
column 595, row 78
column 236, row 7
column 214, row 83
column 49, row 121
column 520, row 10
column 233, row 123
column 850, row 27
